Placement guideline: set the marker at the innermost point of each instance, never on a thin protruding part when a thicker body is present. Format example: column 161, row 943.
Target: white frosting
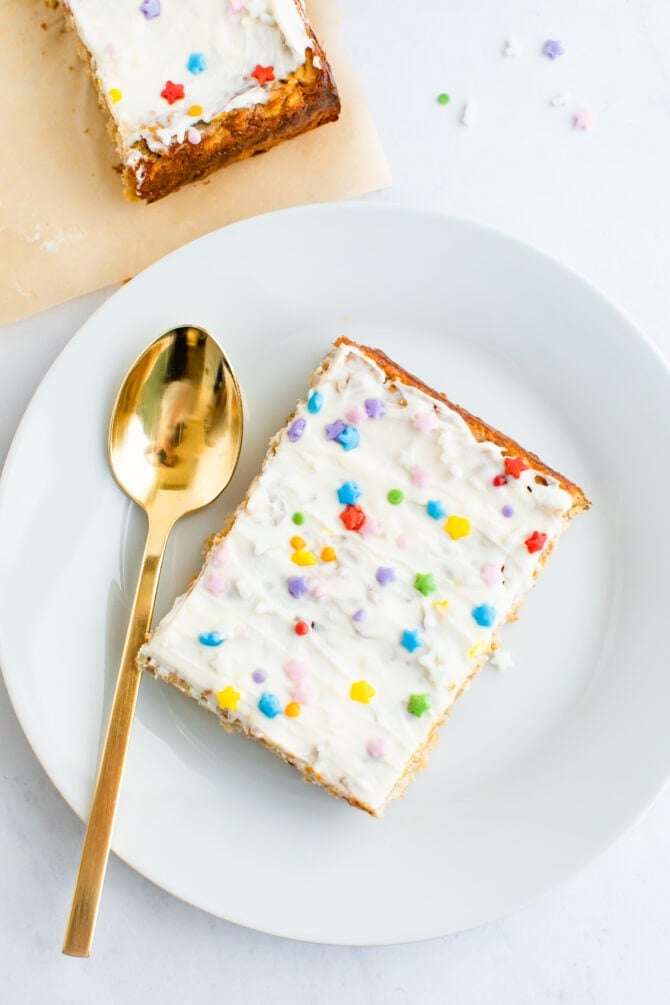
column 243, row 593
column 136, row 56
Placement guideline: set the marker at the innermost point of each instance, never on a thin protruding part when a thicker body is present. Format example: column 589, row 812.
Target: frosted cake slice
column 365, row 578
column 190, row 86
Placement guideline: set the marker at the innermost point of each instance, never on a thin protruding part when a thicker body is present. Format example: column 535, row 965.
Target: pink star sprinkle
column 376, row 749
column 425, row 421
column 583, row 119
column 218, row 555
column 356, row 416
column 370, row 528
column 296, row 671
column 302, row 693
column 491, row 574
column 216, row 584
column 419, row 476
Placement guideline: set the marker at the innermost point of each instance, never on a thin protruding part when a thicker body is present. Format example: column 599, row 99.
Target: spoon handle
column 93, row 863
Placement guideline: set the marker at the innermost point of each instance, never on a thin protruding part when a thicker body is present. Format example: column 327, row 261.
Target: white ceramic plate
column 540, row 767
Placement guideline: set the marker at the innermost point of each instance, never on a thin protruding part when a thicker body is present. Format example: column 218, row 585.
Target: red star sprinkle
column 535, row 542
column 301, row 628
column 500, row 480
column 352, row 517
column 264, row 74
column 514, row 466
column 172, row 92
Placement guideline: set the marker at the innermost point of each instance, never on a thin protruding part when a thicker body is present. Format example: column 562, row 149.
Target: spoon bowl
column 177, row 423
column 174, row 441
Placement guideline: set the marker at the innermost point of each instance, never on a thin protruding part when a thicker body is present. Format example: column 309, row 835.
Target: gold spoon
column 174, row 441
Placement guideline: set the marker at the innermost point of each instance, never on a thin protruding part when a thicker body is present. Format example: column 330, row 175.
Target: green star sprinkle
column 298, row 518
column 443, row 99
column 425, row 583
column 418, row 704
column 395, row 497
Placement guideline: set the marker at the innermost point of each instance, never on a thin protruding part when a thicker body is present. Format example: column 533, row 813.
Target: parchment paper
column 65, row 225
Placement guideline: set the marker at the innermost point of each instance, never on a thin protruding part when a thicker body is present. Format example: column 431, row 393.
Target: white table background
column 600, row 202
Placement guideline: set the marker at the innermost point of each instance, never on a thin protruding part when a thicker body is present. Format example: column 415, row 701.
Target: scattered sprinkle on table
column 443, row 99
column 469, row 113
column 583, row 119
column 512, row 48
column 561, row 100
column 552, row 48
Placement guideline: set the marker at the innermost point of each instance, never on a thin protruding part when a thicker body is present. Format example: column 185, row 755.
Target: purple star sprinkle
column 259, row 676
column 385, row 576
column 297, row 586
column 151, row 8
column 360, row 615
column 296, row 429
column 335, row 429
column 508, row 511
column 375, row 408
column 553, row 48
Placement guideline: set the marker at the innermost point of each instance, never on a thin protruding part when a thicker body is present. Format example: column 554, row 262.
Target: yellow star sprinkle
column 440, row 605
column 457, row 526
column 303, row 557
column 328, row 555
column 477, row 649
column 115, row 94
column 228, row 698
column 297, row 543
column 362, row 691
column 195, row 110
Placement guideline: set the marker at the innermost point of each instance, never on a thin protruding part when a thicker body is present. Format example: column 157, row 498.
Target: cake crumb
column 502, row 660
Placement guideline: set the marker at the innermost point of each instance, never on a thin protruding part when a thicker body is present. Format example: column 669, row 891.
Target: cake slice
column 365, row 578
column 192, row 87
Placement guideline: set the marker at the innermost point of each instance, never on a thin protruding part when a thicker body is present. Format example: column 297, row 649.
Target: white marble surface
column 599, row 202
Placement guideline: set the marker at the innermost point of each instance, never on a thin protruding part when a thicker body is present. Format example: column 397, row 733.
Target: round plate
column 540, row 767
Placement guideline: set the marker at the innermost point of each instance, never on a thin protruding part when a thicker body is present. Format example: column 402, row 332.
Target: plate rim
column 84, row 332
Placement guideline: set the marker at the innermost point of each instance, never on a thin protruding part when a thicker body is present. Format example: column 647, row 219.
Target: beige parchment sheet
column 65, row 226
